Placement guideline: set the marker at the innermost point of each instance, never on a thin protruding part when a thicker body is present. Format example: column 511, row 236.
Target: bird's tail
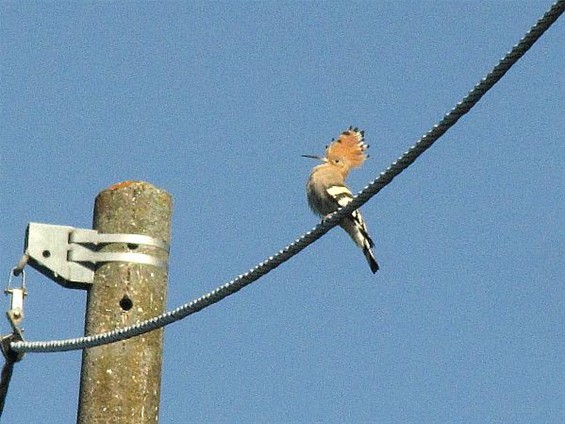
column 371, row 259
column 356, row 228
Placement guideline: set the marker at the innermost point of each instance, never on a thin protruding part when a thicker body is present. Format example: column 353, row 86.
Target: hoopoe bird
column 326, row 190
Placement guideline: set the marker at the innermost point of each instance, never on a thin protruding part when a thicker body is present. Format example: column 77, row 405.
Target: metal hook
column 15, row 315
column 19, row 268
column 16, row 312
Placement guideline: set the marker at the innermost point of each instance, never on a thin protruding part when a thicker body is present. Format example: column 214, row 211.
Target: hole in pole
column 46, row 253
column 126, row 303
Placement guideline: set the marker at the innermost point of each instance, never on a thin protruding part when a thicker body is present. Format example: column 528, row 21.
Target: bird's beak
column 312, row 157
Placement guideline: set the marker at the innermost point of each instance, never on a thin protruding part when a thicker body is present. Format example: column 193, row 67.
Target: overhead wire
column 374, row 187
column 5, row 378
column 10, row 359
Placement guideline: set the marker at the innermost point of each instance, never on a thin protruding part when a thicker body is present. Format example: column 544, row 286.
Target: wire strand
column 5, row 378
column 374, row 187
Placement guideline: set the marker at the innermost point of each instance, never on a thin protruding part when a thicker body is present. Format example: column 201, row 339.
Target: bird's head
column 345, row 153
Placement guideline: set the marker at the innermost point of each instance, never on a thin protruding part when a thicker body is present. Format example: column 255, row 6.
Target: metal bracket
column 5, row 345
column 68, row 255
column 15, row 317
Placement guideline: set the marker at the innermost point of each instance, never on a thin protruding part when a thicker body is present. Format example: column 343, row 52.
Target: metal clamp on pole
column 15, row 316
column 68, row 255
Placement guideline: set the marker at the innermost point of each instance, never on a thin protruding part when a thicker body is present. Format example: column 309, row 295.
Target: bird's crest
column 350, row 147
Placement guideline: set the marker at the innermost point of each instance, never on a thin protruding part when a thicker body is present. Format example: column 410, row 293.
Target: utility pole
column 120, row 382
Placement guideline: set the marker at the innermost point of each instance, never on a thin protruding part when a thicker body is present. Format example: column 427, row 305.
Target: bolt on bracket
column 68, row 255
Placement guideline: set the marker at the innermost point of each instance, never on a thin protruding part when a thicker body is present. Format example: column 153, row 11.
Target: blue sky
column 215, row 102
